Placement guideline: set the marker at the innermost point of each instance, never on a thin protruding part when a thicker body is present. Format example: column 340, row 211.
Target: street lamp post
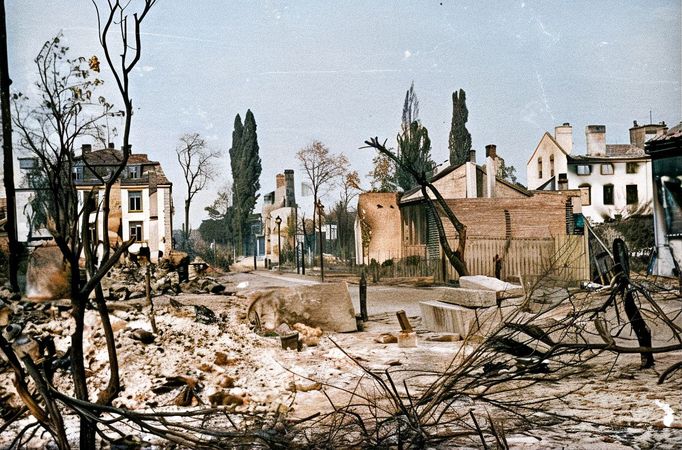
column 278, row 221
column 320, row 211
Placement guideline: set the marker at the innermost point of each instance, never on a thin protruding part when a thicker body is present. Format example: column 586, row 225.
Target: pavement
column 380, row 299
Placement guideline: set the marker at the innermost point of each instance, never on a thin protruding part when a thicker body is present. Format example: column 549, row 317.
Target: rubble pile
column 127, row 281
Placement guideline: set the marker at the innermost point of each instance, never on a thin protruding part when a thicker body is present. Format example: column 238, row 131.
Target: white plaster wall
column 545, row 149
column 597, row 211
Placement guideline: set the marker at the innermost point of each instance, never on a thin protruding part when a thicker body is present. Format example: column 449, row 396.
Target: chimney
column 290, row 194
column 563, row 134
column 111, row 145
column 639, row 134
column 563, row 182
column 491, row 151
column 472, row 156
column 490, row 169
column 279, row 180
column 595, row 138
column 86, row 148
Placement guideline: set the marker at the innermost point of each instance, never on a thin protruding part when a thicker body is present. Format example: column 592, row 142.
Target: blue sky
column 338, row 71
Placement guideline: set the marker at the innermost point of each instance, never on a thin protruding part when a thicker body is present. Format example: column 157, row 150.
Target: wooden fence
column 563, row 257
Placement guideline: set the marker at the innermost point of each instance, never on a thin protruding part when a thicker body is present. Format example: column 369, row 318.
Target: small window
column 631, row 167
column 631, row 195
column 539, row 167
column 584, row 169
column 136, row 231
column 78, row 173
column 586, row 191
column 606, row 169
column 133, row 172
column 608, row 194
column 135, row 201
column 551, row 165
column 93, row 202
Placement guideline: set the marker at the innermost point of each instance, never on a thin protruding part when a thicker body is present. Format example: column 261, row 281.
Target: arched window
column 551, row 165
column 586, row 191
column 540, row 167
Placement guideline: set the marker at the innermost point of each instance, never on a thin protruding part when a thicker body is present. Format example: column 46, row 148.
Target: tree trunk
column 8, row 160
column 186, row 243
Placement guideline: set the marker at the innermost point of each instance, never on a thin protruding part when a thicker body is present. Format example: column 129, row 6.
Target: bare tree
column 8, row 156
column 321, row 167
column 197, row 163
column 68, row 109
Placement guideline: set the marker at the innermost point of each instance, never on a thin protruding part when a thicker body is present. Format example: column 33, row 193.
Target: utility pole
column 8, row 157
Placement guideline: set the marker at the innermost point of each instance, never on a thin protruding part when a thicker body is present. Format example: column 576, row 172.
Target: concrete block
column 327, row 306
column 444, row 317
column 472, row 298
column 502, row 288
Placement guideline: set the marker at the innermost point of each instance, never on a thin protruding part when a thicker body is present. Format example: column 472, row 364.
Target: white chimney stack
column 595, row 137
column 563, row 134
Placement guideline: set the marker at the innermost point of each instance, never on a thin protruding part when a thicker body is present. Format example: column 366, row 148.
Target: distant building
column 140, row 201
column 614, row 179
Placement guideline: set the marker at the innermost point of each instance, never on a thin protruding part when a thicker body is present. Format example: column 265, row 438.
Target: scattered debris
column 143, row 336
column 204, row 315
column 386, row 338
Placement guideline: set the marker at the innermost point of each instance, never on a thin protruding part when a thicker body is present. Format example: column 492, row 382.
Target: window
column 584, row 169
column 78, row 173
column 539, row 167
column 136, row 231
column 631, row 167
column 631, row 196
column 134, row 200
column 608, row 194
column 551, row 165
column 133, row 171
column 93, row 202
column 586, row 191
column 606, row 169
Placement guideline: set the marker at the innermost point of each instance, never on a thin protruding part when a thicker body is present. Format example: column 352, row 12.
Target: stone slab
column 444, row 317
column 327, row 306
column 502, row 288
column 472, row 298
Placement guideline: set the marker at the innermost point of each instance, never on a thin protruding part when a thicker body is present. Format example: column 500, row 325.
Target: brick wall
column 380, row 211
column 538, row 216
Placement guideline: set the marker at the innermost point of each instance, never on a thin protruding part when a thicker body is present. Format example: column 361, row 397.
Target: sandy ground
column 618, row 400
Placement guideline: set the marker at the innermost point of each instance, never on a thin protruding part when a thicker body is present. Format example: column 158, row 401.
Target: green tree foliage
column 246, row 170
column 218, row 227
column 506, row 172
column 382, row 175
column 414, row 145
column 415, row 152
column 460, row 138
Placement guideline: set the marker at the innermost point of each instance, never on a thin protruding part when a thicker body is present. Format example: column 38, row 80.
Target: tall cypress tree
column 460, row 138
column 235, row 164
column 246, row 170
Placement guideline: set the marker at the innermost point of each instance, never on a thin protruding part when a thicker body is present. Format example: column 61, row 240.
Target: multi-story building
column 615, row 179
column 141, row 204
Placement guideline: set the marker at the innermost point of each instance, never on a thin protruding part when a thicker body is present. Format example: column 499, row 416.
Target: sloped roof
column 667, row 144
column 620, row 150
column 114, row 157
column 554, row 141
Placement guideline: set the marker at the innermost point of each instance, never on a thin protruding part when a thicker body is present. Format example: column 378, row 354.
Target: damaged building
column 523, row 229
column 615, row 179
column 140, row 202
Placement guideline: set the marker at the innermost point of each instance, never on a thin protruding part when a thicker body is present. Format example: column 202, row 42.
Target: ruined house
column 522, row 228
column 665, row 151
column 141, row 203
column 377, row 227
column 615, row 179
column 281, row 203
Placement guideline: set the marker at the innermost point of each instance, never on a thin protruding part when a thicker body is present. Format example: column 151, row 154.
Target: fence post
column 363, row 296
